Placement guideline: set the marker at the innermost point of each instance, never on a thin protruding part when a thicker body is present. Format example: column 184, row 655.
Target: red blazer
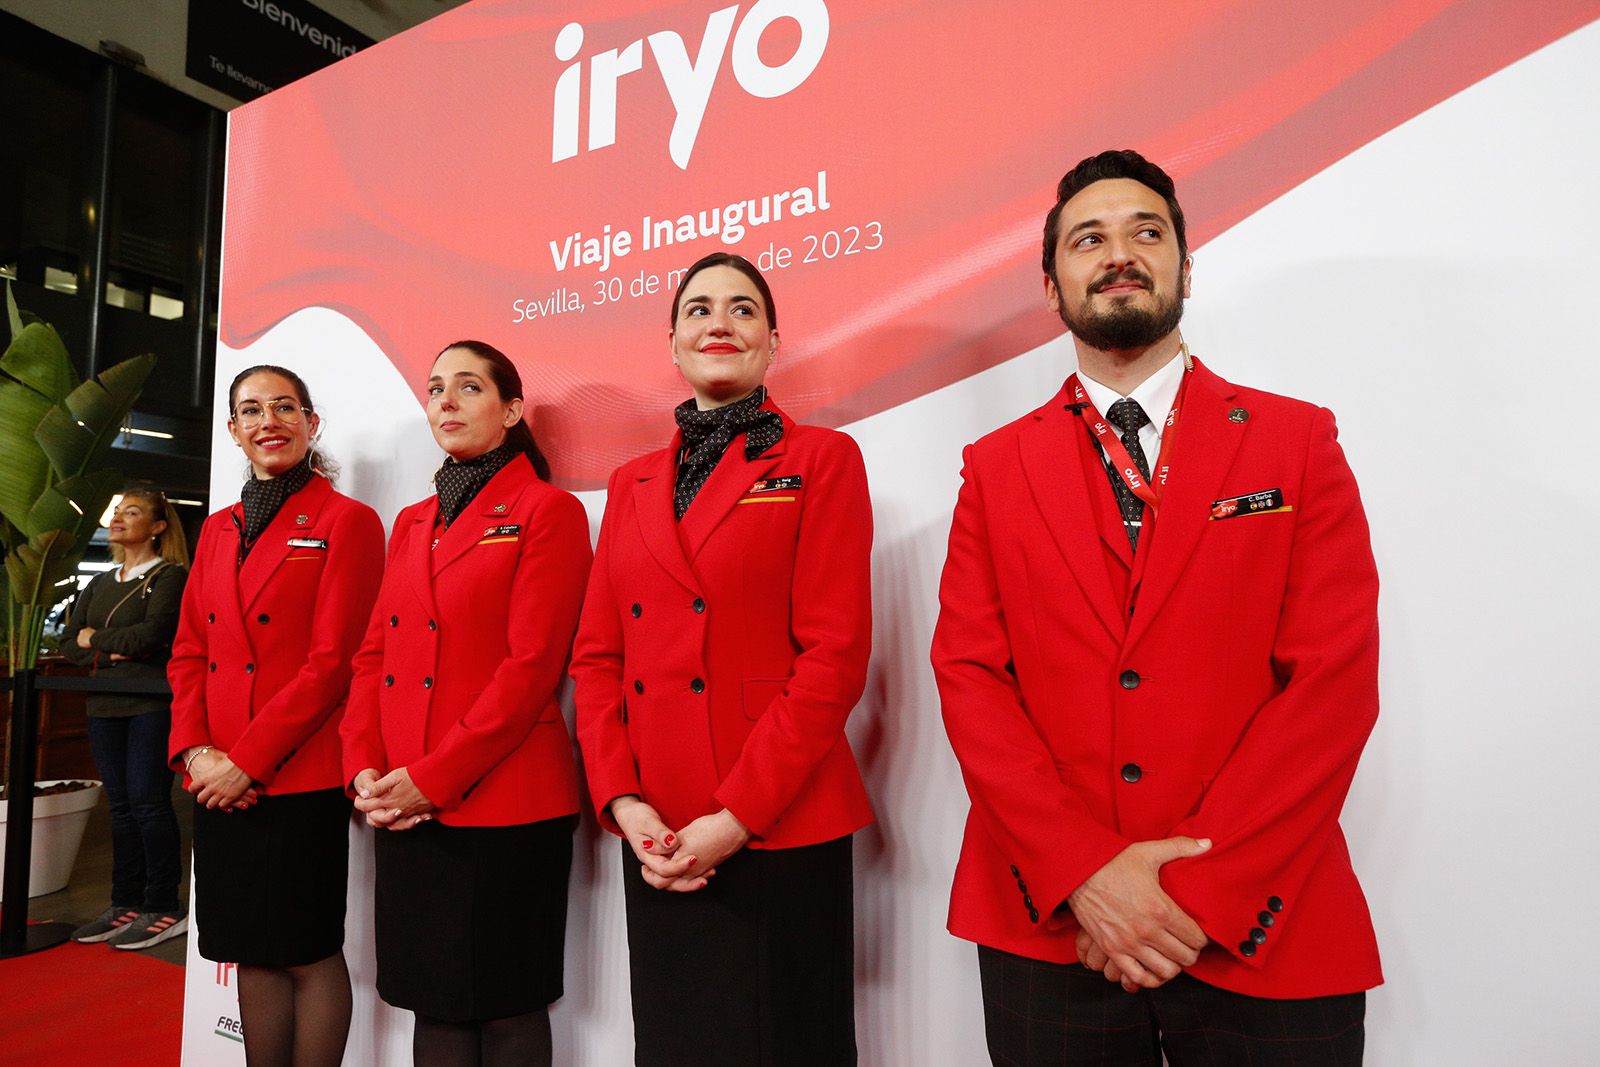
column 261, row 663
column 719, row 656
column 459, row 673
column 1233, row 703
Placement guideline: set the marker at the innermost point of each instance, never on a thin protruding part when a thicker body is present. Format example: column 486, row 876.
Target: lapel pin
column 499, row 509
column 301, row 520
column 1238, row 415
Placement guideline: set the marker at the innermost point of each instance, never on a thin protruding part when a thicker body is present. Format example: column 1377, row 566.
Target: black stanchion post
column 17, row 938
column 19, row 816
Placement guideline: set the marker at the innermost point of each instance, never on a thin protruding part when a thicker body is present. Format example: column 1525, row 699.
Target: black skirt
column 756, row 968
column 471, row 921
column 270, row 880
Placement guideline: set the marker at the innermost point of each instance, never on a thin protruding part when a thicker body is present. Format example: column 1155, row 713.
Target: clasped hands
column 1128, row 928
column 391, row 802
column 217, row 782
column 684, row 861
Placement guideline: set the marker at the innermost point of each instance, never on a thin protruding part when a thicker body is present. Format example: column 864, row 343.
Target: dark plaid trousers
column 1039, row 1014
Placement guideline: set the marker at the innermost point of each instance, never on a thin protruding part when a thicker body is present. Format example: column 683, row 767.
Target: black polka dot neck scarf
column 707, row 434
column 263, row 498
column 457, row 483
column 1128, row 416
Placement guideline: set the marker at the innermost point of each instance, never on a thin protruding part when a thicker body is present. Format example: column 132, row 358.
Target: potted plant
column 55, row 432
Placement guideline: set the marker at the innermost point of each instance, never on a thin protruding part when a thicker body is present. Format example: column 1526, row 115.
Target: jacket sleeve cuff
column 747, row 809
column 429, row 775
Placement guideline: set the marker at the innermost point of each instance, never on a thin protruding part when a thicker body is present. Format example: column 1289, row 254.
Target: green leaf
column 38, row 359
column 38, row 568
column 77, row 433
column 12, row 313
column 75, row 505
column 24, row 470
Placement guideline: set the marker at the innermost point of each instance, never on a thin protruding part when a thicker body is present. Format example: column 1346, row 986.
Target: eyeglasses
column 251, row 414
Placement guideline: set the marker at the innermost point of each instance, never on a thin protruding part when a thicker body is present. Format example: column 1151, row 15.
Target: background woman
column 724, row 640
column 455, row 744
column 282, row 587
column 122, row 624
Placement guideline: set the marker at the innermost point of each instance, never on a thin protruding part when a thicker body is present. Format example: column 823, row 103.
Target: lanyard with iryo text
column 1123, row 463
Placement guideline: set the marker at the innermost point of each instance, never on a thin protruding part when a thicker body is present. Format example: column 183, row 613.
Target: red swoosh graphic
column 410, row 187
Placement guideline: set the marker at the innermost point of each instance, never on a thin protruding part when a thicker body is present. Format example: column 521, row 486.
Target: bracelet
column 196, row 754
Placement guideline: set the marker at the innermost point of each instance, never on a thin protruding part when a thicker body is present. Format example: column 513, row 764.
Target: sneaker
column 150, row 928
column 107, row 925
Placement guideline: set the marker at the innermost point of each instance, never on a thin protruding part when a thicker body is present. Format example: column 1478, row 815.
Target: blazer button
column 637, row 611
column 388, row 679
column 1247, row 949
column 213, row 668
column 638, row 686
column 1129, row 679
column 211, row 616
column 1022, row 886
column 249, row 668
column 1132, row 772
column 427, row 683
column 1274, row 903
column 432, row 625
column 263, row 618
column 1014, row 872
column 1028, row 902
column 698, row 685
column 1258, row 935
column 1033, row 915
column 699, row 606
column 1265, row 918
column 394, row 620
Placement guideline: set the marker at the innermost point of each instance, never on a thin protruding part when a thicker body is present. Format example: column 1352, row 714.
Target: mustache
column 1131, row 274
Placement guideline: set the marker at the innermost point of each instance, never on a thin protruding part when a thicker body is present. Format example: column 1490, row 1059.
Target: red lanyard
column 1123, row 463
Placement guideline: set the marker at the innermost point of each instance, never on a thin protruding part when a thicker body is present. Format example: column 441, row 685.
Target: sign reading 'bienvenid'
column 247, row 48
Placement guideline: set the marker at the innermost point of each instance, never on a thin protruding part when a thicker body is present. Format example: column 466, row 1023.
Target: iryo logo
column 689, row 82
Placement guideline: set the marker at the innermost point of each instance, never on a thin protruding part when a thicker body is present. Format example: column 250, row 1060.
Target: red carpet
column 90, row 1004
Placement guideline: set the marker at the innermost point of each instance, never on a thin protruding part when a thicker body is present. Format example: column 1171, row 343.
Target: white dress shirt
column 1155, row 395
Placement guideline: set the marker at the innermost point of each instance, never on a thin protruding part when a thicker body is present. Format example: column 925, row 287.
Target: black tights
column 295, row 1016
column 521, row 1040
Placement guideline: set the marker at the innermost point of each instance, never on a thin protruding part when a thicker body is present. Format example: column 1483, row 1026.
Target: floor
column 89, row 891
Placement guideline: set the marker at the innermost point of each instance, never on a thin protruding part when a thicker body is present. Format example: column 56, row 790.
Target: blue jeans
column 131, row 754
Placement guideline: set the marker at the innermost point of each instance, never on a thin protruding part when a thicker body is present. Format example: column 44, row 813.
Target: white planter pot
column 58, row 824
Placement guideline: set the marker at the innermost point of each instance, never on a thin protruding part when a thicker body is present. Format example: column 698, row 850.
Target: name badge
column 772, row 485
column 308, row 542
column 1249, row 504
column 500, row 535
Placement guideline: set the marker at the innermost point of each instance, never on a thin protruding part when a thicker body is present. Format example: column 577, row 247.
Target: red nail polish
column 649, row 843
column 668, row 839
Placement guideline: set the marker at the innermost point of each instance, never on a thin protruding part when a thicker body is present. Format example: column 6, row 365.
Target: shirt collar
column 136, row 572
column 1155, row 394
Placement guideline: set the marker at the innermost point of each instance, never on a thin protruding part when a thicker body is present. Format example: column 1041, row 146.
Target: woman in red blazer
column 724, row 641
column 281, row 588
column 454, row 742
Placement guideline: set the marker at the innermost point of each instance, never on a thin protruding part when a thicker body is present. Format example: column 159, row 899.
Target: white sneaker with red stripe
column 150, row 928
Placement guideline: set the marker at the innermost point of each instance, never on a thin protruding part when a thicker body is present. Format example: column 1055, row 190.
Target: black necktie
column 1128, row 416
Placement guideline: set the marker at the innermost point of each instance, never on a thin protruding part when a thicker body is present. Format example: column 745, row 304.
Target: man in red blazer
column 1157, row 656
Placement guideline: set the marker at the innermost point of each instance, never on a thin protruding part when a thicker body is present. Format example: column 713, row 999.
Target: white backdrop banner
column 1391, row 206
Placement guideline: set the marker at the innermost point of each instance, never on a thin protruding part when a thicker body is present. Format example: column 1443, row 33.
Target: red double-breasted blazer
column 719, row 656
column 459, row 673
column 1219, row 683
column 261, row 663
